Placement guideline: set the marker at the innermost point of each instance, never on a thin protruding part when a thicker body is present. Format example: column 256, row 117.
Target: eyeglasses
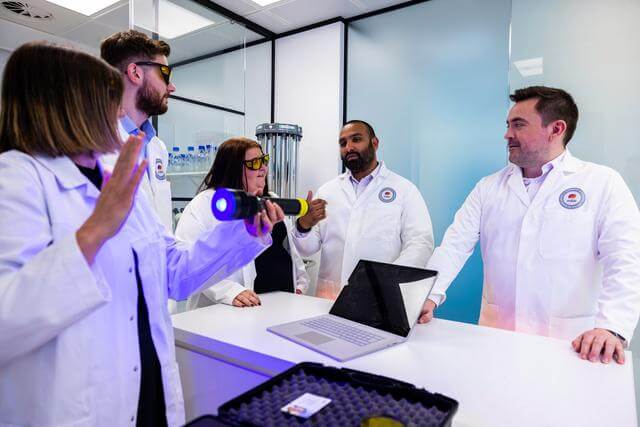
column 256, row 164
column 165, row 70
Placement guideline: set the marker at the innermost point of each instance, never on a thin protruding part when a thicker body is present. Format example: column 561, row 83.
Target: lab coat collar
column 383, row 172
column 569, row 164
column 347, row 187
column 130, row 127
column 68, row 175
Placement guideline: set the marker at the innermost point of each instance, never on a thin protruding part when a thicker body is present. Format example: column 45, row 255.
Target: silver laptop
column 377, row 309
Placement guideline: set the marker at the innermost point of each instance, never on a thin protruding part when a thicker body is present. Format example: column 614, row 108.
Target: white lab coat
column 154, row 183
column 388, row 222
column 69, row 351
column 197, row 218
column 549, row 269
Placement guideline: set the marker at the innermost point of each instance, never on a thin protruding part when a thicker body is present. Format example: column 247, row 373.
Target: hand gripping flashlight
column 228, row 205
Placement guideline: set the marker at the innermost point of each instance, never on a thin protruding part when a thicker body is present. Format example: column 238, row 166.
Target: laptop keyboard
column 340, row 330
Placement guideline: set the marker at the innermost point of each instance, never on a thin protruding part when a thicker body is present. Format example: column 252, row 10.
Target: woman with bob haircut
column 85, row 265
column 240, row 164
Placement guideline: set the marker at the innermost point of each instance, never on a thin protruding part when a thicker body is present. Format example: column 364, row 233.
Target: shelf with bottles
column 192, row 162
column 195, row 173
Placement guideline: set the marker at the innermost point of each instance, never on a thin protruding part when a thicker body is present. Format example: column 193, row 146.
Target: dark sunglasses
column 256, row 164
column 165, row 70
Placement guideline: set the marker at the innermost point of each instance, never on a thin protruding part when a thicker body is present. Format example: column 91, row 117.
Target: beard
column 361, row 160
column 528, row 159
column 150, row 102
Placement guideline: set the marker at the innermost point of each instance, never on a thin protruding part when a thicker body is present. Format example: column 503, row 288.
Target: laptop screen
column 384, row 296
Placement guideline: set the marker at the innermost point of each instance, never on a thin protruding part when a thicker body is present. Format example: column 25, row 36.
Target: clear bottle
column 202, row 158
column 175, row 162
column 209, row 157
column 191, row 159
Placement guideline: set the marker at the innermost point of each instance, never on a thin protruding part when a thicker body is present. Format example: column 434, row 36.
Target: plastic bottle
column 209, row 156
column 175, row 163
column 202, row 158
column 191, row 159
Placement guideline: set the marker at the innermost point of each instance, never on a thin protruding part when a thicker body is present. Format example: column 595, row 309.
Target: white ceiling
column 286, row 15
column 87, row 32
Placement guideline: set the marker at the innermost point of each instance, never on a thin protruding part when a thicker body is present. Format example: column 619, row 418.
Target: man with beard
column 371, row 213
column 147, row 86
column 560, row 237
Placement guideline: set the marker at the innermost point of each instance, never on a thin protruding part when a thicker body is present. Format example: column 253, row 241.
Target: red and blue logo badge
column 387, row 195
column 160, row 174
column 572, row 198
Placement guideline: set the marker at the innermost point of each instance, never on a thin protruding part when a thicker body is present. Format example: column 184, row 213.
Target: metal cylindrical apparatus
column 280, row 141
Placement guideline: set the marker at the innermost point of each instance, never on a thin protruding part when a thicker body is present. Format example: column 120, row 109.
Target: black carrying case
column 354, row 395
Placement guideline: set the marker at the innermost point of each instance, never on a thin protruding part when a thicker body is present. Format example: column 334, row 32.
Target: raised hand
column 115, row 201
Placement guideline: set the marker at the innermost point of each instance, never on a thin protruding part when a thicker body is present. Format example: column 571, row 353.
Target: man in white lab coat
column 560, row 237
column 147, row 87
column 371, row 213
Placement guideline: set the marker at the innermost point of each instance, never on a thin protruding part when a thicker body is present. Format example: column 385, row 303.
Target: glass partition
column 432, row 81
column 212, row 68
column 592, row 49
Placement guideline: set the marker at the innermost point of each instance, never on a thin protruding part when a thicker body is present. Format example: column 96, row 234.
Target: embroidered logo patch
column 572, row 198
column 387, row 195
column 160, row 175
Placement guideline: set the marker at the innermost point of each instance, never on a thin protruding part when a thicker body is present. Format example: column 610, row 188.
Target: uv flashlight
column 228, row 205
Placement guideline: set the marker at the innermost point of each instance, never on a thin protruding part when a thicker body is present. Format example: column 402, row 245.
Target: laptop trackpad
column 314, row 338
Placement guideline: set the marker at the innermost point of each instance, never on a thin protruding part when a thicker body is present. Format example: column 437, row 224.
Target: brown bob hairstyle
column 57, row 101
column 227, row 170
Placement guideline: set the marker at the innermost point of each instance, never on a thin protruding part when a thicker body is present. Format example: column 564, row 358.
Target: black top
column 274, row 268
column 151, row 405
column 94, row 175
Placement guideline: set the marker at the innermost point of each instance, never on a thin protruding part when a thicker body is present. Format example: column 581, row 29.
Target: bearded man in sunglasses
column 147, row 86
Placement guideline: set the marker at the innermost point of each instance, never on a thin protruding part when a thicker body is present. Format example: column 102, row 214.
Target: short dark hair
column 227, row 170
column 124, row 47
column 553, row 104
column 372, row 133
column 57, row 101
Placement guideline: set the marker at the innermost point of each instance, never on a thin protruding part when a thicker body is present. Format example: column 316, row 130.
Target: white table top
column 500, row 378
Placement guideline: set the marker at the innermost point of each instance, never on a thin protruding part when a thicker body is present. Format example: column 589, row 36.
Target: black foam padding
column 350, row 403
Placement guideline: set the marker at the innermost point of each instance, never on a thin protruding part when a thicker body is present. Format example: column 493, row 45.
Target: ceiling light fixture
column 264, row 2
column 83, row 6
column 173, row 20
column 529, row 67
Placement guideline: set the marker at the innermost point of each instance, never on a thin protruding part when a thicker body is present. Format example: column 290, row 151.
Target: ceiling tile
column 241, row 7
column 116, row 18
column 62, row 19
column 372, row 5
column 90, row 34
column 304, row 12
column 210, row 40
column 270, row 22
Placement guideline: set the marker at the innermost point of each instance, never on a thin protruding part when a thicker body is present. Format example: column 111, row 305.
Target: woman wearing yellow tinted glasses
column 240, row 164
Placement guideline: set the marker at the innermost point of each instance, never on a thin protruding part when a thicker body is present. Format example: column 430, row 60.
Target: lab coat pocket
column 567, row 234
column 569, row 328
